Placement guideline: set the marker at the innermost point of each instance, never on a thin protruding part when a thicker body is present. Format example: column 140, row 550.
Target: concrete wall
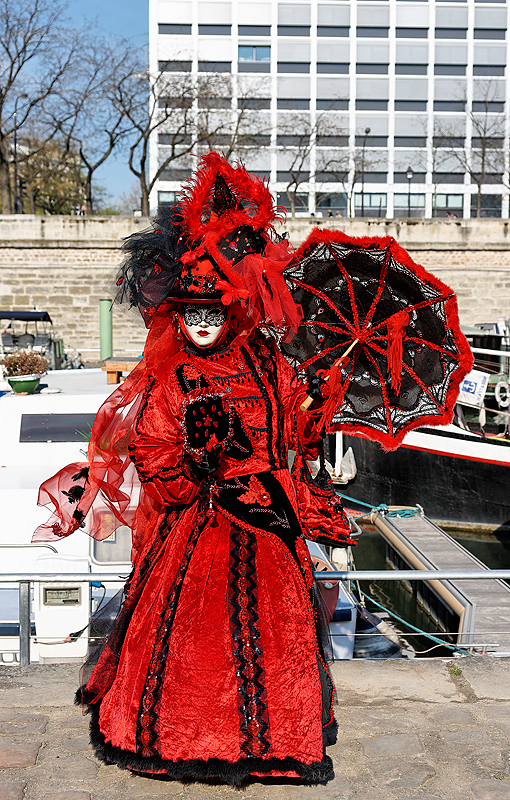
column 63, row 264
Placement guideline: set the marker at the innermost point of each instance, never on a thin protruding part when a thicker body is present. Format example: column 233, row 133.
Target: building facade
column 385, row 108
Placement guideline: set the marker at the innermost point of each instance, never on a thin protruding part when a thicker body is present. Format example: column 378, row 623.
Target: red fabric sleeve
column 157, row 447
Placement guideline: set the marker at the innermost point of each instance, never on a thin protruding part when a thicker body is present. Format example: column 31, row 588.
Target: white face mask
column 204, row 323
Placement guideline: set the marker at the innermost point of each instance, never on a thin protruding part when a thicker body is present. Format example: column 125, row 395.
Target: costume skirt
column 213, row 670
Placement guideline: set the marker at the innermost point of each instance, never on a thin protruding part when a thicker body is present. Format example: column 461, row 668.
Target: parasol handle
column 307, row 402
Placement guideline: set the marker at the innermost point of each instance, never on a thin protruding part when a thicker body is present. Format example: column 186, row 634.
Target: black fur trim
column 83, row 473
column 330, row 733
column 233, row 773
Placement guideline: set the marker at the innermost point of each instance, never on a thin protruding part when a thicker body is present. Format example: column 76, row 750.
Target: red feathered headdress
column 217, row 244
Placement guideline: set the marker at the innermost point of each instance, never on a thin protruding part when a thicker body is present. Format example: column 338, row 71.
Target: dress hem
column 234, row 773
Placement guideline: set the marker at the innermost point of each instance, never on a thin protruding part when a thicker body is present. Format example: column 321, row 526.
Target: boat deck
column 483, row 607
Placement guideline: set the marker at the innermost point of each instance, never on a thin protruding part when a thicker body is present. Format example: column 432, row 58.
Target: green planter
column 24, row 384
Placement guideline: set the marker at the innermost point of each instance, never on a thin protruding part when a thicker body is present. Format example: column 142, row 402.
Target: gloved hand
column 317, row 388
column 208, row 464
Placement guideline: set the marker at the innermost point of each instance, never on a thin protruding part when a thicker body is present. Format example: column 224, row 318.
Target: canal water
column 370, row 553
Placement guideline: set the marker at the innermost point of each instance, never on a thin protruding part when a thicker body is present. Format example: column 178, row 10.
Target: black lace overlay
column 254, row 730
column 260, row 501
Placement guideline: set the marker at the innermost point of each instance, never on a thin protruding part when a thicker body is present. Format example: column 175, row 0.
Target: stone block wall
column 62, row 265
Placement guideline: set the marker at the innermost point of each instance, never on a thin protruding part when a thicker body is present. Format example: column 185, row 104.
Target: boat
column 39, row 434
column 33, row 330
column 460, row 473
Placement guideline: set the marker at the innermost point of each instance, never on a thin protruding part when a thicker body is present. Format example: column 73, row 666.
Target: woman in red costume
column 214, row 669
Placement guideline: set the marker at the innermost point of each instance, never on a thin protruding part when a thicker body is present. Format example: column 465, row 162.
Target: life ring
column 502, row 394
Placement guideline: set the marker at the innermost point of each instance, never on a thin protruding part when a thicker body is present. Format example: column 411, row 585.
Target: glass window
column 174, row 66
column 379, row 33
column 372, row 69
column 174, row 138
column 489, row 33
column 449, row 69
column 401, row 177
column 410, row 141
column 449, row 105
column 257, row 52
column 301, row 201
column 56, row 427
column 371, row 141
column 293, row 30
column 449, row 201
column 214, row 66
column 175, row 29
column 332, row 105
column 254, row 30
column 404, row 200
column 332, row 141
column 448, row 141
column 299, row 103
column 410, row 105
column 174, row 174
column 483, row 69
column 332, row 30
column 334, row 205
column 372, row 105
column 490, row 106
column 167, row 198
column 411, row 69
column 214, row 30
column 490, row 205
column 451, row 33
column 256, row 103
column 448, row 177
column 370, row 200
column 376, row 177
column 293, row 66
column 493, row 142
column 324, row 68
column 214, row 102
column 289, row 139
column 412, row 33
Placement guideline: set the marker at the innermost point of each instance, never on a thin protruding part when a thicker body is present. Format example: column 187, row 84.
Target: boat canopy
column 27, row 316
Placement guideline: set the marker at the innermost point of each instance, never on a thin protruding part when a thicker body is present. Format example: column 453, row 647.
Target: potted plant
column 23, row 370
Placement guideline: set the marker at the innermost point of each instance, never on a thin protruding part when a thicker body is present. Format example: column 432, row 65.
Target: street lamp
column 409, row 176
column 367, row 131
column 16, row 196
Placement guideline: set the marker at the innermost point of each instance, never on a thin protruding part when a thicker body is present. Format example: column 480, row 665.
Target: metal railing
column 24, row 580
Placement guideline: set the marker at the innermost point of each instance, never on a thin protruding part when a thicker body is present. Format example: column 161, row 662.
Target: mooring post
column 105, row 329
column 24, row 623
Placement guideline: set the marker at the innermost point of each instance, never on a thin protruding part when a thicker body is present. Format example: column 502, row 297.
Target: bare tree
column 187, row 113
column 89, row 121
column 484, row 160
column 346, row 165
column 37, row 56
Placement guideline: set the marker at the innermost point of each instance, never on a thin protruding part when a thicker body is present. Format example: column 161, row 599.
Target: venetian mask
column 204, row 322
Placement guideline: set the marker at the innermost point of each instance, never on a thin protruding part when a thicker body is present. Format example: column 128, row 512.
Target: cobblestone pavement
column 409, row 730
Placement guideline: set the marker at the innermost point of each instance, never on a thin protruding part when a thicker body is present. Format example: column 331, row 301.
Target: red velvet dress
column 214, row 669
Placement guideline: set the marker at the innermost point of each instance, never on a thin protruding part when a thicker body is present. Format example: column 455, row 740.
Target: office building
column 381, row 108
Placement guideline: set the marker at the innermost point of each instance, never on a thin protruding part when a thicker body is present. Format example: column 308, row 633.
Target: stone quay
column 408, row 730
column 65, row 265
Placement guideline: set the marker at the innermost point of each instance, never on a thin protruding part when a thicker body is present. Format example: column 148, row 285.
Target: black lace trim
column 145, row 400
column 234, row 773
column 254, row 730
column 148, row 710
column 267, row 402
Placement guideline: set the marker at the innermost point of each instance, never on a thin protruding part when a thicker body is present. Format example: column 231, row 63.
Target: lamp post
column 367, row 131
column 16, row 188
column 409, row 176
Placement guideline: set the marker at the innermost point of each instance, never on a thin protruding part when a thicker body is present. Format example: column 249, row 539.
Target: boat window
column 56, row 427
